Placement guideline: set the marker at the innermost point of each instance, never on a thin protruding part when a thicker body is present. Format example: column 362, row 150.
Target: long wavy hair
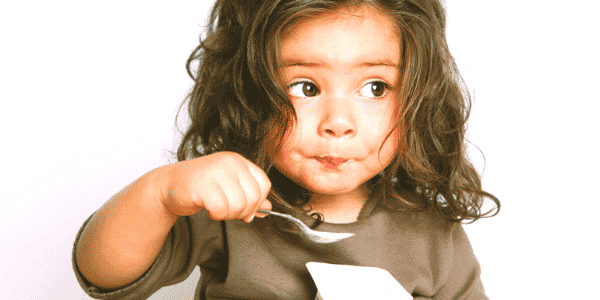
column 238, row 103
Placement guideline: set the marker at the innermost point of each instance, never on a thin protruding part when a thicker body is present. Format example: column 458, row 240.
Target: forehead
column 342, row 37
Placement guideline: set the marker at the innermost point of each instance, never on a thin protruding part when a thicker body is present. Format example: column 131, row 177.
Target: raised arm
column 123, row 238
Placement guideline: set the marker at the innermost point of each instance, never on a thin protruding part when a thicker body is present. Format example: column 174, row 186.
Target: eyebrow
column 303, row 63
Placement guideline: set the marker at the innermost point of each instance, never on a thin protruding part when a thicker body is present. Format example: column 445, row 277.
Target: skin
column 341, row 69
column 124, row 236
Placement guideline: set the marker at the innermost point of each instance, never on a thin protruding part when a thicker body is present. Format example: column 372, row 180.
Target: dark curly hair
column 239, row 104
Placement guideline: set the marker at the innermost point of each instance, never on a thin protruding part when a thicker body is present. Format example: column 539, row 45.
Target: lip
column 331, row 162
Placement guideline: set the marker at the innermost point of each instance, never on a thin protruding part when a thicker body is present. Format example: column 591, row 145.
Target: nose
column 337, row 119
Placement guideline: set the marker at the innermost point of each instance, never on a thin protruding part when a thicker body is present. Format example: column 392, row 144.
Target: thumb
column 266, row 205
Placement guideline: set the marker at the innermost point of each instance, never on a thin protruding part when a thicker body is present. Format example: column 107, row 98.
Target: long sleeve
column 430, row 257
column 175, row 262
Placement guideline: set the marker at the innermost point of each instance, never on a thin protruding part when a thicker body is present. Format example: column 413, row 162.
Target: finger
column 236, row 198
column 264, row 184
column 252, row 191
column 265, row 205
column 214, row 201
column 261, row 178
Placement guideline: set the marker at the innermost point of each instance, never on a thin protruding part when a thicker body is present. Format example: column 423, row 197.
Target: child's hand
column 226, row 184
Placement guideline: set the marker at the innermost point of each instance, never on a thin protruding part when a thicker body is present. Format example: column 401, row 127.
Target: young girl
column 347, row 114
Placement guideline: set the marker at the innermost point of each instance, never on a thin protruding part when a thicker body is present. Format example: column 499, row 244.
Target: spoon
column 321, row 237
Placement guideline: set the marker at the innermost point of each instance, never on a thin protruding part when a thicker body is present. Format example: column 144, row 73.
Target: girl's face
column 341, row 69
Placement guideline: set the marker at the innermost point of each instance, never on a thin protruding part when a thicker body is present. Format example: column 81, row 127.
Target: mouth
column 331, row 162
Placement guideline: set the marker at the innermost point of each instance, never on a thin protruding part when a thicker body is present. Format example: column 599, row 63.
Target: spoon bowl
column 320, row 237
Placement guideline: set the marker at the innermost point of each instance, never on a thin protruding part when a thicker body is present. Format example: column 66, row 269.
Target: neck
column 339, row 208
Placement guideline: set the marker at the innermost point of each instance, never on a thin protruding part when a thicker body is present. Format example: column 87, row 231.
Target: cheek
column 389, row 150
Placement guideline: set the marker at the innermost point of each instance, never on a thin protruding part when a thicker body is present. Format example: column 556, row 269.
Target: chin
column 319, row 179
column 331, row 187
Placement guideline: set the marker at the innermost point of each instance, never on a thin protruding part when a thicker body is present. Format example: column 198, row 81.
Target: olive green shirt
column 431, row 258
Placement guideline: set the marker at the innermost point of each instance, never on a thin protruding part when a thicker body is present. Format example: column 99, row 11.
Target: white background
column 89, row 93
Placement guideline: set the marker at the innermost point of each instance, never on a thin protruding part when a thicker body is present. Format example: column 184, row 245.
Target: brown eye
column 310, row 90
column 374, row 89
column 378, row 89
column 304, row 89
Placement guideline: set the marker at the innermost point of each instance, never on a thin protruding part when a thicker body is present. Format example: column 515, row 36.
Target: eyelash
column 301, row 83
